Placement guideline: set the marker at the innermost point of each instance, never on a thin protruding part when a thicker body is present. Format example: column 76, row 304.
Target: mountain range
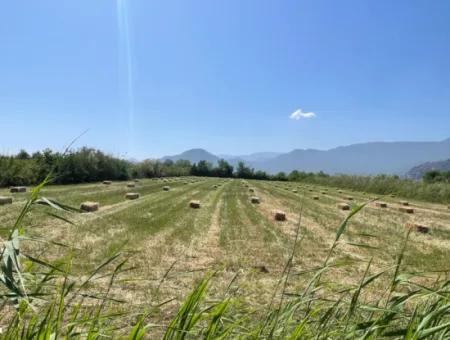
column 361, row 159
column 418, row 171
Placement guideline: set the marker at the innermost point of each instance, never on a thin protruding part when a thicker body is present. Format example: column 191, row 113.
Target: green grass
column 155, row 268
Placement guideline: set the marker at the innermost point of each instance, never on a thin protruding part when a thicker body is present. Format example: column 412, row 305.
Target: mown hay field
column 172, row 246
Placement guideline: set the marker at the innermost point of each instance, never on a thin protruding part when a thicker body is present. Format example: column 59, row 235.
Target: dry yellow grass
column 172, row 245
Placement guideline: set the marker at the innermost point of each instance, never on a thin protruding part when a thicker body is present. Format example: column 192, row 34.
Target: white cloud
column 298, row 114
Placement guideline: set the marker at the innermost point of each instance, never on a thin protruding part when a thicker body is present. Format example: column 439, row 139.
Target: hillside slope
column 418, row 171
column 362, row 159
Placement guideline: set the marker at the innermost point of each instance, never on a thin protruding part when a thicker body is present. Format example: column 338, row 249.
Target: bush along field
column 203, row 257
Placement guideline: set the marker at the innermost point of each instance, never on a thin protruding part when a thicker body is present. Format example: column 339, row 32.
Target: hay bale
column 166, row 188
column 89, row 206
column 349, row 198
column 406, row 210
column 5, row 200
column 215, row 186
column 280, row 215
column 255, row 199
column 316, row 198
column 251, row 190
column 343, row 206
column 404, row 203
column 324, row 193
column 261, row 268
column 107, row 182
column 381, row 204
column 310, row 190
column 194, row 204
column 295, row 191
column 17, row 189
column 131, row 185
column 132, row 195
column 420, row 228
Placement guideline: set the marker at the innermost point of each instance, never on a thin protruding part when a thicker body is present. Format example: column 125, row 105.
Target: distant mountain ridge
column 194, row 156
column 419, row 171
column 362, row 159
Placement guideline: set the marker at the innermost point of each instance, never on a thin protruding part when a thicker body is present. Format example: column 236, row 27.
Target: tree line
column 91, row 165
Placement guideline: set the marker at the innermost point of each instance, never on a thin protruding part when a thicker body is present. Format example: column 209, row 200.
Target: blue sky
column 149, row 78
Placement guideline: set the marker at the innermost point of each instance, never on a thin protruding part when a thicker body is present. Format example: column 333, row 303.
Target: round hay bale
column 404, row 203
column 343, row 206
column 166, row 188
column 89, row 206
column 132, row 195
column 381, row 204
column 194, row 204
column 316, row 198
column 107, row 182
column 17, row 189
column 280, row 215
column 406, row 210
column 420, row 228
column 251, row 190
column 131, row 185
column 5, row 200
column 255, row 200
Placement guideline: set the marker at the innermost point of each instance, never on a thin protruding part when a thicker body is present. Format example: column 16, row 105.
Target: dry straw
column 5, row 200
column 17, row 189
column 406, row 210
column 132, row 195
column 343, row 206
column 89, row 206
column 255, row 200
column 420, row 228
column 194, row 204
column 280, row 215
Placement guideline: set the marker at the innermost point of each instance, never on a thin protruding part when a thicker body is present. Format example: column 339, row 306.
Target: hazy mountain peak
column 362, row 158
